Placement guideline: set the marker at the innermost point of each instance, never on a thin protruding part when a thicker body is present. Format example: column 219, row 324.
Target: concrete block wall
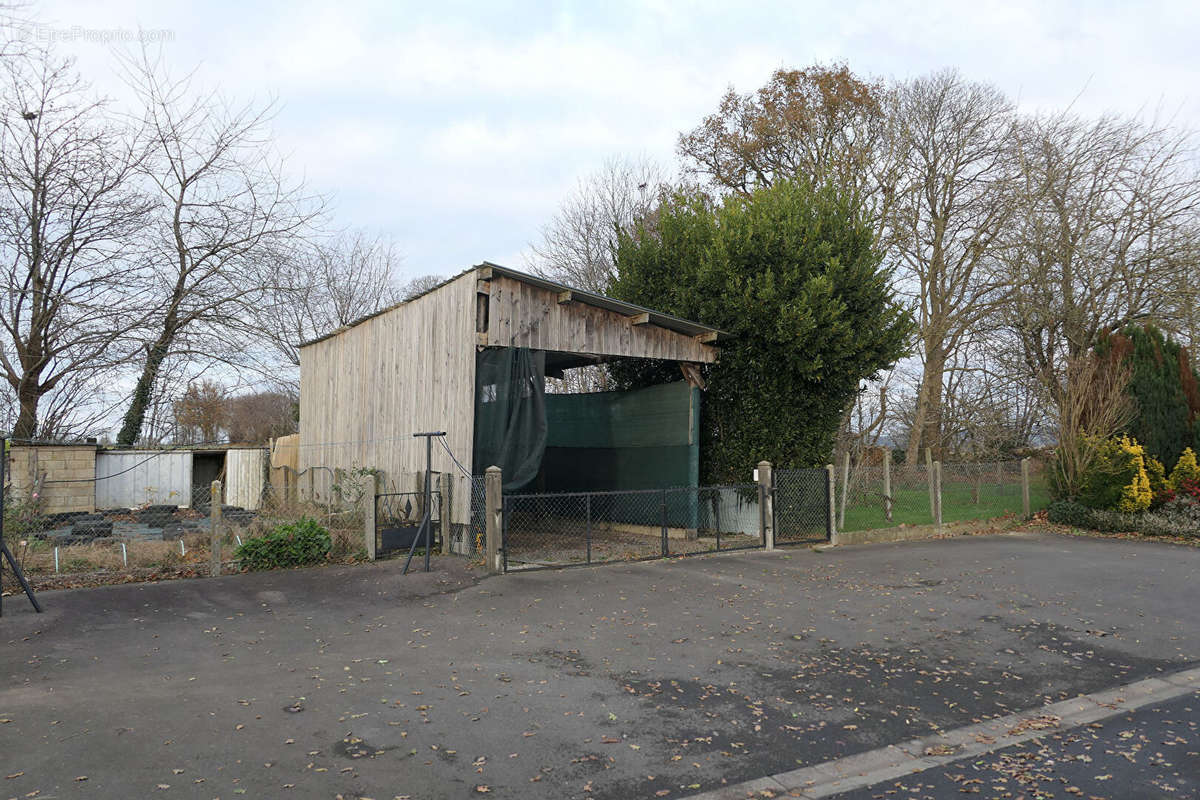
column 35, row 466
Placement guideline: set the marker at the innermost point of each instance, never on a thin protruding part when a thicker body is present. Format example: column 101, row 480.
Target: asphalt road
column 659, row 679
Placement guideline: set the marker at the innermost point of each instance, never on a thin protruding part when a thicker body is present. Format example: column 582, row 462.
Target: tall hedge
column 1163, row 386
column 791, row 271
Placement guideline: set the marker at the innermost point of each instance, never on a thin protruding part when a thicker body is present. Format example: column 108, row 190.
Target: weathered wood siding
column 244, row 473
column 366, row 390
column 521, row 315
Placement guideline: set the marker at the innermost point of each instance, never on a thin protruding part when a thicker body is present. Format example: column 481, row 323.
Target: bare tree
column 951, row 204
column 1092, row 406
column 1105, row 234
column 578, row 246
column 223, row 213
column 201, row 413
column 327, row 284
column 68, row 209
column 257, row 417
column 420, row 285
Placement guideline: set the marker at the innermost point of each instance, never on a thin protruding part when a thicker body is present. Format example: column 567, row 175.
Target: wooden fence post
column 1026, row 503
column 767, row 508
column 494, row 514
column 887, row 484
column 371, row 489
column 214, row 532
column 446, row 511
column 831, row 521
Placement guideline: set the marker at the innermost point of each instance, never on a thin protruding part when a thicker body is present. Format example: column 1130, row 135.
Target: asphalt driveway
column 659, row 679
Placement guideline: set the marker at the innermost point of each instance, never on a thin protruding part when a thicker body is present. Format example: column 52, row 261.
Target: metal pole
column 428, row 499
column 588, row 505
column 887, row 484
column 664, row 524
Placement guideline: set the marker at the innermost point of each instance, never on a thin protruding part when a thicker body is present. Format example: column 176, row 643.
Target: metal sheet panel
column 134, row 478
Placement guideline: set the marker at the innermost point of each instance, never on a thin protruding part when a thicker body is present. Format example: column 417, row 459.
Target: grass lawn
column 959, row 502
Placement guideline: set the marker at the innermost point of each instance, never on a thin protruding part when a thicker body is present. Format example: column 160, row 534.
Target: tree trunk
column 27, row 420
column 131, row 429
column 927, row 424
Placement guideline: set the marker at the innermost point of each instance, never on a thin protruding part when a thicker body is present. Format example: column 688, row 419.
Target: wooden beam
column 484, row 273
column 565, row 297
column 483, row 287
column 639, row 319
column 708, row 337
column 481, row 339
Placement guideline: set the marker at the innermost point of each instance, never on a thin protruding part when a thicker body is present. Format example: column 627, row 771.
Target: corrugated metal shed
column 132, row 478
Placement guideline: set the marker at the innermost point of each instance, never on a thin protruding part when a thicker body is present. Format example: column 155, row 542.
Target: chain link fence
column 77, row 547
column 801, row 505
column 398, row 517
column 869, row 496
column 554, row 530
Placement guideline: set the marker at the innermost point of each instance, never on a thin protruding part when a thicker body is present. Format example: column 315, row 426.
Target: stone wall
column 35, row 467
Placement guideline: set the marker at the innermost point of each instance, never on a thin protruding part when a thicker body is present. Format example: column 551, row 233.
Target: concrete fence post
column 446, row 510
column 214, row 532
column 370, row 504
column 937, row 472
column 767, row 510
column 887, row 484
column 494, row 514
column 845, row 489
column 932, row 490
column 831, row 519
column 1026, row 503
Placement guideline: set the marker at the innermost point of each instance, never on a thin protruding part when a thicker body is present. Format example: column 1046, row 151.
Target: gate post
column 370, row 509
column 493, row 513
column 766, row 505
column 1026, row 505
column 887, row 484
column 937, row 473
column 831, row 509
column 446, row 511
column 214, row 528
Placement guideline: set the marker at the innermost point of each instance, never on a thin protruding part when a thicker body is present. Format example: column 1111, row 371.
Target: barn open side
column 432, row 364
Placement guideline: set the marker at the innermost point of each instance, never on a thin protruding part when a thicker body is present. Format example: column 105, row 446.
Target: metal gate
column 801, row 506
column 577, row 528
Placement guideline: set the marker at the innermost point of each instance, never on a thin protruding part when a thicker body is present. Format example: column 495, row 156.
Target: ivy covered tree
column 792, row 272
column 1163, row 384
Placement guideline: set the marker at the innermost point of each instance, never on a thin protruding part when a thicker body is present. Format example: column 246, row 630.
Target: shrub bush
column 1186, row 470
column 1178, row 518
column 1117, row 480
column 289, row 545
column 1068, row 512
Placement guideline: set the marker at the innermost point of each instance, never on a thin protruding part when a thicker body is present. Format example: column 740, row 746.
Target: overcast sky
column 456, row 128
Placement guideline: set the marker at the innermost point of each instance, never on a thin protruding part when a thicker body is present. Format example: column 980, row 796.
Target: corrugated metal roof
column 677, row 324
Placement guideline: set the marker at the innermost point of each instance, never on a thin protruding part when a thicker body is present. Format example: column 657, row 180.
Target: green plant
column 1186, row 469
column 288, row 545
column 1116, row 478
column 791, row 270
column 1068, row 512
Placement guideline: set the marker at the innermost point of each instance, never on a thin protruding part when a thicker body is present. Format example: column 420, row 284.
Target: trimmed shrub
column 289, row 545
column 1117, row 479
column 1068, row 512
column 1178, row 518
column 1186, row 470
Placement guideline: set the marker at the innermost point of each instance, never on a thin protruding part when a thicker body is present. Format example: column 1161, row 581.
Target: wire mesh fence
column 801, row 505
column 161, row 538
column 551, row 530
column 882, row 495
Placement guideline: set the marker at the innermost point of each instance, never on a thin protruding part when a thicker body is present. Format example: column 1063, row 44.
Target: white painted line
column 895, row 761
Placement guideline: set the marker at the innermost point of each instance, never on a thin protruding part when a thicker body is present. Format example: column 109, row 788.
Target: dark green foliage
column 1068, row 512
column 290, row 545
column 1181, row 521
column 791, row 271
column 1163, row 386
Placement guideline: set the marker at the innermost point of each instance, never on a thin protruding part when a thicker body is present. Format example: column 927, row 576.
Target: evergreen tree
column 790, row 271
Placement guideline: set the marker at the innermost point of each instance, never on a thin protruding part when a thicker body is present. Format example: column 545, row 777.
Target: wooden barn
column 470, row 357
